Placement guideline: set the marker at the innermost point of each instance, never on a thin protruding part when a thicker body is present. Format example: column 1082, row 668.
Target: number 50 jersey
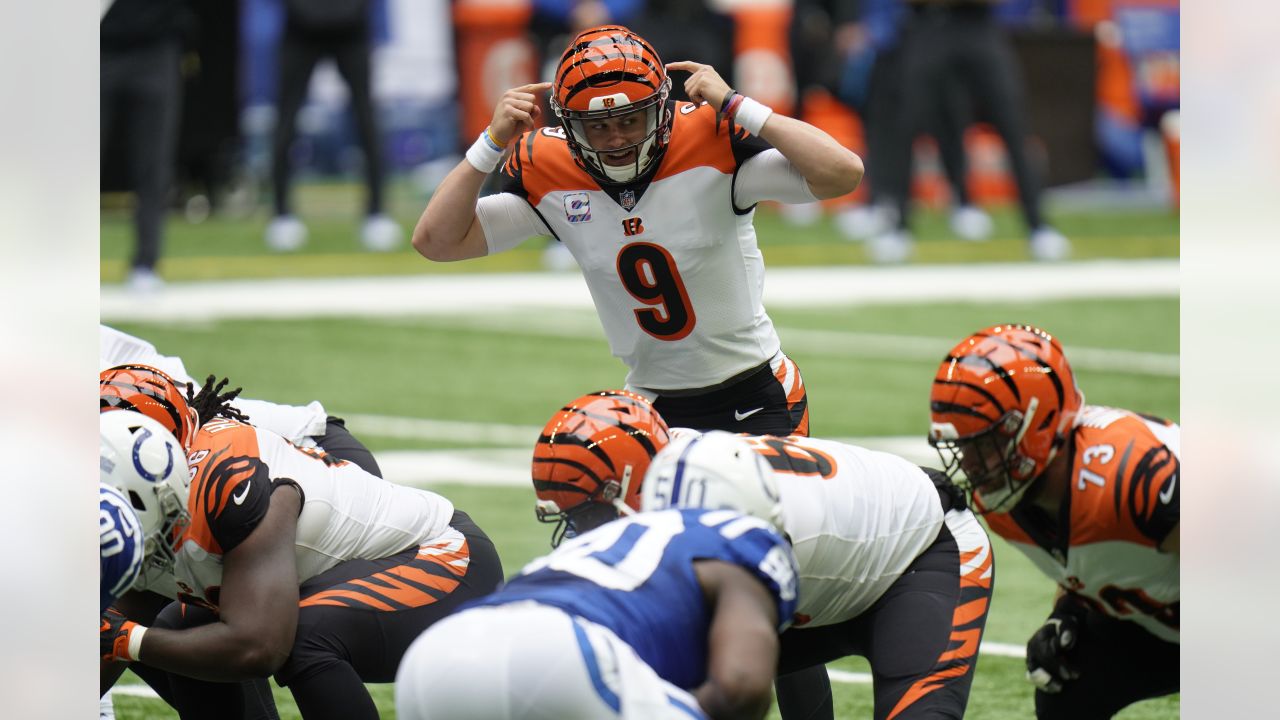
column 635, row 576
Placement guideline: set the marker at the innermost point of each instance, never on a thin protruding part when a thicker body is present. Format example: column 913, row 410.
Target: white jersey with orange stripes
column 346, row 514
column 1123, row 502
column 672, row 266
column 857, row 519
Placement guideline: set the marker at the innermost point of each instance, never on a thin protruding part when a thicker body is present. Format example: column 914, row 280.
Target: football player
column 658, row 616
column 1090, row 494
column 306, row 425
column 655, row 199
column 892, row 566
column 289, row 562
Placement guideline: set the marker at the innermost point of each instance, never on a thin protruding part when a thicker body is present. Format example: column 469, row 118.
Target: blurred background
column 223, row 174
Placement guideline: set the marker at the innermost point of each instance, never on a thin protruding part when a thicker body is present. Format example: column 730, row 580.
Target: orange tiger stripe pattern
column 151, row 392
column 977, row 572
column 429, row 577
column 603, row 437
column 788, row 375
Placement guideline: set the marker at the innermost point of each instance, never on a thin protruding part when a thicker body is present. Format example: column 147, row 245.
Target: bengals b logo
column 632, row 226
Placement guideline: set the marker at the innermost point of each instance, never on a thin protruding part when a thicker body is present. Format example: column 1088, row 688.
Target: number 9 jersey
column 671, row 260
column 635, row 576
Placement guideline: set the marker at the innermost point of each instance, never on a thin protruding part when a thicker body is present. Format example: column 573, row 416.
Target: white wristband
column 751, row 115
column 135, row 643
column 483, row 156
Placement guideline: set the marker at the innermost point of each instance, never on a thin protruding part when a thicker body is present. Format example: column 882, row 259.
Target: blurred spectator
column 691, row 30
column 337, row 29
column 868, row 50
column 140, row 94
column 960, row 42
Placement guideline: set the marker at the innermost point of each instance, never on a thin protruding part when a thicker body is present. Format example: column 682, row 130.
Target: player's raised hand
column 704, row 83
column 517, row 111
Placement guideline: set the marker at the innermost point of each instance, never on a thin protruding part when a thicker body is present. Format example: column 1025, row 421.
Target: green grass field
column 518, row 369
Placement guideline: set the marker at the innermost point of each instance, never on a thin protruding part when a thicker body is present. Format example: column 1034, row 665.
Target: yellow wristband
column 494, row 140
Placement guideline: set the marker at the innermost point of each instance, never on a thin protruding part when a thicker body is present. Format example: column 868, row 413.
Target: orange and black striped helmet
column 609, row 72
column 151, row 392
column 591, row 457
column 1004, row 401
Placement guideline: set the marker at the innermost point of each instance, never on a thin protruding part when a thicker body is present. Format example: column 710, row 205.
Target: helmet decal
column 594, row 452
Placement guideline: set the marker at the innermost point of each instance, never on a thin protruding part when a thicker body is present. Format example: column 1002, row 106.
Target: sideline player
column 658, row 616
column 655, row 199
column 1090, row 495
column 294, row 564
column 893, row 567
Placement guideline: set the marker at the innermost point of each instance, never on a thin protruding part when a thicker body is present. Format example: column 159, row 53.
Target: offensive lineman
column 292, row 563
column 893, row 567
column 1090, row 495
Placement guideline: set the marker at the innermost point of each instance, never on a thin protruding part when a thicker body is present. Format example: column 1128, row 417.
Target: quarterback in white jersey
column 655, row 200
column 1090, row 494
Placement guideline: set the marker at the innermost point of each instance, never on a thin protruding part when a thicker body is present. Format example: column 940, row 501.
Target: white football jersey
column 857, row 519
column 347, row 513
column 672, row 266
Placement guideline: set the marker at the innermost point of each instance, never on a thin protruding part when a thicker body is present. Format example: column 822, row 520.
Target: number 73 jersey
column 672, row 266
column 1122, row 503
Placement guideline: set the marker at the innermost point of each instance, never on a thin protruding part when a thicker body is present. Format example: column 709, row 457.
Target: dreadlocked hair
column 211, row 402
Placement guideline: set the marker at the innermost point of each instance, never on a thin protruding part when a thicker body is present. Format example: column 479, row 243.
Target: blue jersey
column 635, row 576
column 120, row 542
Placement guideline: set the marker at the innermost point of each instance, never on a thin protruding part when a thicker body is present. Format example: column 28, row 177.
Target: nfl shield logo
column 628, row 199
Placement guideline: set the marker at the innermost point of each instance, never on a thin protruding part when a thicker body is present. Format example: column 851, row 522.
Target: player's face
column 983, row 461
column 617, row 132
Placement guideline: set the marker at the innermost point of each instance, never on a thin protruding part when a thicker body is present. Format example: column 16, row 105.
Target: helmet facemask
column 988, row 465
column 604, row 505
column 160, row 548
column 652, row 111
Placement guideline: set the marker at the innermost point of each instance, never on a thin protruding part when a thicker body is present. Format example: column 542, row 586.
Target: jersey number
column 649, row 273
column 618, row 556
column 111, row 537
column 785, row 455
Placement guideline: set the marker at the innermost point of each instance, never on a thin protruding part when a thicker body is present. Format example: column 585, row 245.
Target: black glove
column 115, row 634
column 1049, row 651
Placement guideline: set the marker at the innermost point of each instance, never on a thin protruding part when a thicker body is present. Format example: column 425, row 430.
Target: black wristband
column 724, row 104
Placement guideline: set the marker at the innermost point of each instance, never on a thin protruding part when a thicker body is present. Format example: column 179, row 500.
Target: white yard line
column 840, row 676
column 877, row 346
column 784, row 287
